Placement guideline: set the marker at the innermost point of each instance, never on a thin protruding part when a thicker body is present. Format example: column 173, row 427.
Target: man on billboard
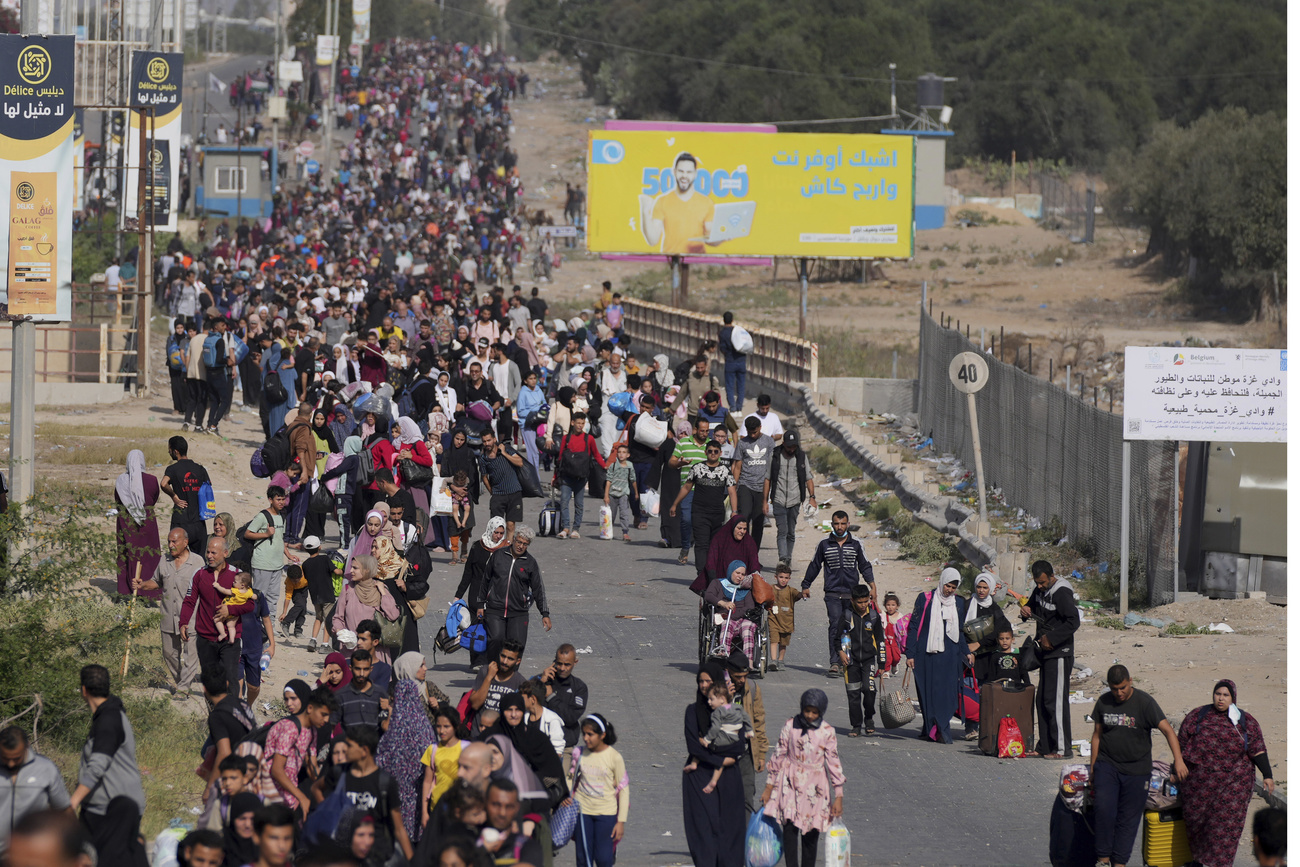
column 680, row 220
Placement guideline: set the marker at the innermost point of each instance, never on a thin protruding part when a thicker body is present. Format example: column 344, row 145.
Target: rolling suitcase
column 1071, row 840
column 1164, row 838
column 996, row 701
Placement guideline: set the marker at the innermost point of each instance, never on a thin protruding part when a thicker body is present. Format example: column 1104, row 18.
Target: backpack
column 575, row 465
column 210, row 357
column 406, row 405
column 273, row 389
column 176, row 355
column 365, row 467
column 277, row 453
column 548, row 522
column 241, row 533
column 256, row 465
column 241, row 348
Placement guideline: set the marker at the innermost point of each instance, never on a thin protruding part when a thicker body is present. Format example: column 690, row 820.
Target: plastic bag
column 606, row 522
column 762, row 841
column 838, row 844
column 165, row 847
column 1011, row 743
column 650, row 502
column 1076, row 786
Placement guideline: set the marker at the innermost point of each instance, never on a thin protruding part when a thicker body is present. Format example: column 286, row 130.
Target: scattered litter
column 666, row 834
column 1078, row 697
column 111, row 513
column 302, row 673
column 1083, row 674
column 1220, row 627
column 1084, row 747
column 586, row 649
column 627, row 584
column 627, row 617
column 819, row 665
column 196, row 811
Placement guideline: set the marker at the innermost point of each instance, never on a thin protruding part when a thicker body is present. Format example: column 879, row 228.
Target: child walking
column 894, row 639
column 318, row 569
column 462, row 516
column 727, row 725
column 801, row 772
column 441, row 760
column 599, row 782
column 295, row 600
column 862, row 653
column 620, row 484
column 781, row 623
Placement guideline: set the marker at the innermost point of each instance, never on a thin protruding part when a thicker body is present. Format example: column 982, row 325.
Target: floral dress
column 801, row 771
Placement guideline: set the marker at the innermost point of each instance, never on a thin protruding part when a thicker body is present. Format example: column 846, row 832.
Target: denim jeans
column 786, row 520
column 734, row 378
column 684, row 510
column 577, row 489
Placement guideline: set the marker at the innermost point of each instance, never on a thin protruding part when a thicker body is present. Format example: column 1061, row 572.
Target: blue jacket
column 843, row 564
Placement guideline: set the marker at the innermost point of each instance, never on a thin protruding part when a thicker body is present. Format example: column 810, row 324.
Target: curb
column 941, row 513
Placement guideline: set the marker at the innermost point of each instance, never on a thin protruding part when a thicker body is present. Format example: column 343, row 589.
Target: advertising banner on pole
column 156, row 79
column 750, row 194
column 360, row 22
column 36, row 174
column 1184, row 393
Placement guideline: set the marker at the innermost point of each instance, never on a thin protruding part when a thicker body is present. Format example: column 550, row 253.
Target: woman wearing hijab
column 446, row 396
column 533, row 745
column 339, row 364
column 732, row 542
column 336, row 673
column 515, row 768
column 801, row 772
column 981, row 604
column 732, row 596
column 936, row 651
column 374, row 369
column 363, row 596
column 715, row 821
column 138, row 552
column 662, row 378
column 326, row 444
column 668, row 479
column 1222, row 746
column 408, row 735
column 457, row 457
column 238, row 846
column 408, row 445
column 401, row 584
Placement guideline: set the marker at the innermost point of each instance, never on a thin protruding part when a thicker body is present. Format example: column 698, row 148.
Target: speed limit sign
column 968, row 372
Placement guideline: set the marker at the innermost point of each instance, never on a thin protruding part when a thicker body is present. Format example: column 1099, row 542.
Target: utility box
column 1244, row 529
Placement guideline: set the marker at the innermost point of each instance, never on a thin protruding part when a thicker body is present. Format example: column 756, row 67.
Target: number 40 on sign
column 969, row 373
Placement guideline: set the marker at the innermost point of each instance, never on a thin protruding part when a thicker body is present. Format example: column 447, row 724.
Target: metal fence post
column 103, row 352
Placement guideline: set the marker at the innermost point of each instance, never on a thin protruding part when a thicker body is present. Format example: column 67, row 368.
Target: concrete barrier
column 867, row 395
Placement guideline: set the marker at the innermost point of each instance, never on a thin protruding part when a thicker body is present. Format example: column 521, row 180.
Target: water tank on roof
column 929, row 91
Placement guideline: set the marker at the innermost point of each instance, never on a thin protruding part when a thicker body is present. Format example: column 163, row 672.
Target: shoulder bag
column 896, row 707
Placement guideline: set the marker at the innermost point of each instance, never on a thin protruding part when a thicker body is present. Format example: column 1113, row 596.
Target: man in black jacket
column 513, row 583
column 565, row 694
column 1052, row 607
column 843, row 561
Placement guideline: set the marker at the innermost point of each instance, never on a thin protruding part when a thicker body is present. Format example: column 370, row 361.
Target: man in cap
column 790, row 482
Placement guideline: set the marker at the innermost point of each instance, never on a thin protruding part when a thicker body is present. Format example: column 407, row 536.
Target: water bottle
column 266, row 662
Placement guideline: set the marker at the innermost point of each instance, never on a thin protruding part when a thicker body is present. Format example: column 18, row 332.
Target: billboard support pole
column 803, row 294
column 676, row 268
column 22, row 396
column 686, row 282
column 1125, row 490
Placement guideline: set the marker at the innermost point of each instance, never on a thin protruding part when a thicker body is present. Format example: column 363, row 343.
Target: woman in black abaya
column 715, row 822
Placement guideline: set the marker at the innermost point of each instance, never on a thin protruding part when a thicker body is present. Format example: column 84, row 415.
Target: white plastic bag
column 650, row 502
column 741, row 341
column 838, row 844
column 165, row 846
column 650, row 431
column 606, row 522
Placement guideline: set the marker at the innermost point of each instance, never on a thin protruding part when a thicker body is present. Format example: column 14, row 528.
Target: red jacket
column 209, row 600
column 419, row 454
column 571, row 443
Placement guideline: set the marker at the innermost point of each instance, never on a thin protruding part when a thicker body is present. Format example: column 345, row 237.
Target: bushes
column 59, row 537
column 830, row 461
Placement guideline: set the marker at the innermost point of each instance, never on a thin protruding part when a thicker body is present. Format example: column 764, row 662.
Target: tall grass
column 842, row 352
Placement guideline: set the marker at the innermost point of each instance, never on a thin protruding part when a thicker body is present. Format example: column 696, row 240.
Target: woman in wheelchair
column 734, row 604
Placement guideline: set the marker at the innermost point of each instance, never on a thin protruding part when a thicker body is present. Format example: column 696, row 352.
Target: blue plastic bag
column 762, row 841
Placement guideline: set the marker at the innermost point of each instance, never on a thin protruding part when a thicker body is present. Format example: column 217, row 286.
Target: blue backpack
column 241, row 348
column 327, row 815
column 210, row 357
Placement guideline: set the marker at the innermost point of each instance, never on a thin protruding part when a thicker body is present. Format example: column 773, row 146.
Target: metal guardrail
column 781, row 359
column 69, row 360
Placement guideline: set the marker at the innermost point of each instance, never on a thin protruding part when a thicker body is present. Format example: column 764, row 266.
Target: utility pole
column 275, row 92
column 22, row 399
column 327, row 116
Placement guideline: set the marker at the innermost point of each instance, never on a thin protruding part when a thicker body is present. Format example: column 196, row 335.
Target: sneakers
column 311, row 643
column 284, row 630
column 185, row 426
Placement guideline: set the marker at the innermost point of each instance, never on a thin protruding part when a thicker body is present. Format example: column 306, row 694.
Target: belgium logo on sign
column 34, row 64
column 158, row 70
column 25, row 191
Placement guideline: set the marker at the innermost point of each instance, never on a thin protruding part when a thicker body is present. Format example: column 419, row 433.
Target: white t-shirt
column 769, row 424
column 553, row 727
column 112, row 278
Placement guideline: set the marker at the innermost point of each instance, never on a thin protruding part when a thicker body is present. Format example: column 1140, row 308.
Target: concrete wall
column 73, row 393
column 897, row 396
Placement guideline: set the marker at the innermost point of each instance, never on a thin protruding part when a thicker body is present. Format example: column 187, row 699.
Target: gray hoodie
column 108, row 765
column 36, row 785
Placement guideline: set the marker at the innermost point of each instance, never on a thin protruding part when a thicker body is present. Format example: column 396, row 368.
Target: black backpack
column 273, row 389
column 277, row 454
column 574, row 464
column 252, row 543
column 258, row 734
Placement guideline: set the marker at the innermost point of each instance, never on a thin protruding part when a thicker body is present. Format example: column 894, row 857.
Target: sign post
column 969, row 373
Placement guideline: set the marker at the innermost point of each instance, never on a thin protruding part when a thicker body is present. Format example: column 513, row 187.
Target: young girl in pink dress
column 800, row 774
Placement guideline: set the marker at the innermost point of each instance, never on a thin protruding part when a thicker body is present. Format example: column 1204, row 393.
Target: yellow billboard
column 750, row 194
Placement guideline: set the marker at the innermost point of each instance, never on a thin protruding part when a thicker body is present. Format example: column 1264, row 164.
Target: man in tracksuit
column 512, row 585
column 29, row 783
column 1057, row 618
column 844, row 560
column 862, row 652
column 109, row 792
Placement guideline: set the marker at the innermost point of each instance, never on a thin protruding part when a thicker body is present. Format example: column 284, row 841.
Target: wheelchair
column 712, row 622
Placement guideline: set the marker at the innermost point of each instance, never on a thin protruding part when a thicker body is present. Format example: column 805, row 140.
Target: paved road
column 219, row 109
column 905, row 802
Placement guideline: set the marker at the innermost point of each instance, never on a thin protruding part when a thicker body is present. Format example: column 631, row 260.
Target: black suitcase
column 997, row 701
column 1071, row 840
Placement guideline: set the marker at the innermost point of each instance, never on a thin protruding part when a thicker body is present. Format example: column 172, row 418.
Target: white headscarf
column 943, row 613
column 408, row 432
column 130, row 486
column 974, row 606
column 492, row 525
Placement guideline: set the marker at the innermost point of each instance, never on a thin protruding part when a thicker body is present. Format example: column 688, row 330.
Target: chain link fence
column 1055, row 456
column 1066, row 210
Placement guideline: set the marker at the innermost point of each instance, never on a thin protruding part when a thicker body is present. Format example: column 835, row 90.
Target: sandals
column 681, row 561
column 855, row 733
